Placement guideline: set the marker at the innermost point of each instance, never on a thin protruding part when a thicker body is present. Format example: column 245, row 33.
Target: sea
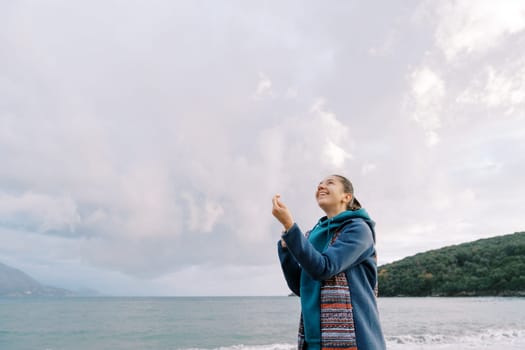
column 246, row 323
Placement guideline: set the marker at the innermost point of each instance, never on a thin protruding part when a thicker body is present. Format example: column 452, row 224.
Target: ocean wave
column 471, row 340
column 251, row 347
column 490, row 336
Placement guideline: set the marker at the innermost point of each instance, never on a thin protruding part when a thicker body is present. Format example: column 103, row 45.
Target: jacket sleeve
column 291, row 269
column 353, row 245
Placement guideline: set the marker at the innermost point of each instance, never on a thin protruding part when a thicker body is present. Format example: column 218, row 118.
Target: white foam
column 252, row 347
column 498, row 338
column 510, row 339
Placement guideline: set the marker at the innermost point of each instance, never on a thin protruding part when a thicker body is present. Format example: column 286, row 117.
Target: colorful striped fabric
column 337, row 321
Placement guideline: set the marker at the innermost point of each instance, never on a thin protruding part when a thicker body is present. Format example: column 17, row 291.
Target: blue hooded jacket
column 305, row 261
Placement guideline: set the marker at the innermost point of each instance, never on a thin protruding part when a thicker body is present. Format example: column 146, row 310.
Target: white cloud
column 427, row 96
column 336, row 134
column 432, row 138
column 502, row 88
column 264, row 86
column 147, row 205
column 286, row 148
column 505, row 89
column 468, row 27
column 335, row 154
column 329, row 120
column 213, row 211
column 40, row 212
column 486, row 166
column 202, row 216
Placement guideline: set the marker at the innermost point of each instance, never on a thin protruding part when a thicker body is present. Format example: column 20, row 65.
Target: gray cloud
column 141, row 142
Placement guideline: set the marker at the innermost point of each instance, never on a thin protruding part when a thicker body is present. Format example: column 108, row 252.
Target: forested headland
column 486, row 267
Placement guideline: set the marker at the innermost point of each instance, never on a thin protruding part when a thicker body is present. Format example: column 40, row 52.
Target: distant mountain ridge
column 14, row 282
column 486, row 267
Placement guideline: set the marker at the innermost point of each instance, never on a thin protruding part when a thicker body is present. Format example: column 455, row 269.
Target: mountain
column 486, row 267
column 14, row 282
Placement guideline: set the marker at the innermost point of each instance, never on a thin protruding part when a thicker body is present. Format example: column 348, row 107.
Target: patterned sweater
column 347, row 270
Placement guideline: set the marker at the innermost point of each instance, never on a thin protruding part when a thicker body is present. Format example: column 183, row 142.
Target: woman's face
column 330, row 194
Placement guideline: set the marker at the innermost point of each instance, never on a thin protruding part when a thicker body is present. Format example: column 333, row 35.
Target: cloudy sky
column 141, row 141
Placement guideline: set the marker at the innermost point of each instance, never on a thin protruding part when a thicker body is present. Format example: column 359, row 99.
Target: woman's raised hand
column 281, row 212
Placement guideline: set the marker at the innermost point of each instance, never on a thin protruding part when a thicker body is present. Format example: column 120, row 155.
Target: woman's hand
column 281, row 212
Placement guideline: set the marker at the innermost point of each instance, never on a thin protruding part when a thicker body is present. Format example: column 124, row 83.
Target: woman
column 334, row 271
